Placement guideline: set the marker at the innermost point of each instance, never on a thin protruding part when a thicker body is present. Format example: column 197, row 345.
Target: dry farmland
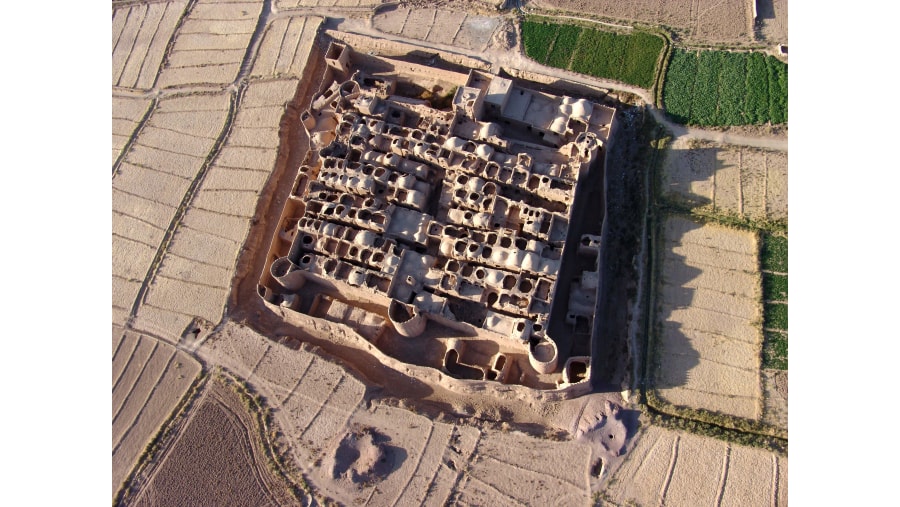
column 746, row 181
column 441, row 26
column 188, row 168
column 210, row 45
column 698, row 21
column 140, row 34
column 149, row 378
column 216, row 459
column 674, row 468
column 195, row 271
column 294, row 4
column 127, row 115
column 150, row 184
column 286, row 46
column 318, row 404
column 709, row 337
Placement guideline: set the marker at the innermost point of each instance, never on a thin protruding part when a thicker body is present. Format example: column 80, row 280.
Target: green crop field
column 774, row 257
column 628, row 58
column 715, row 88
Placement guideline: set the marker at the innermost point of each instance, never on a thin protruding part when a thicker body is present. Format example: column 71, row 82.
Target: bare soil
column 675, row 468
column 775, row 393
column 150, row 378
column 445, row 455
column 444, row 26
column 748, row 182
column 709, row 313
column 695, row 21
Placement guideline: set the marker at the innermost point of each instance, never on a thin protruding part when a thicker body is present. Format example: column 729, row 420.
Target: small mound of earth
column 361, row 457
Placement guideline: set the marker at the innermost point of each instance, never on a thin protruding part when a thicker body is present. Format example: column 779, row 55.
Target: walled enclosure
column 438, row 235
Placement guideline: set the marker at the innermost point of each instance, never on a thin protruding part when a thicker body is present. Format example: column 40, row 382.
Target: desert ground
column 204, row 95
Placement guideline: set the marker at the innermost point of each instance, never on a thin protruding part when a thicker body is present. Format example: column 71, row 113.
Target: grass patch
column 720, row 88
column 629, row 58
column 775, row 253
column 775, row 351
column 776, row 316
column 775, row 287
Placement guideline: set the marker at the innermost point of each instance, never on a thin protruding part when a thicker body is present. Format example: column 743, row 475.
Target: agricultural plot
column 714, row 88
column 217, row 459
column 708, row 341
column 695, row 21
column 630, row 58
column 211, row 43
column 151, row 183
column 286, row 46
column 149, row 379
column 127, row 113
column 294, row 4
column 453, row 28
column 775, row 296
column 673, row 468
column 194, row 276
column 748, row 182
column 140, row 35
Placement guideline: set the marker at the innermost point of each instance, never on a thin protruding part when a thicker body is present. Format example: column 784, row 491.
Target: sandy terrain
column 732, row 179
column 140, row 35
column 217, row 459
column 675, row 468
column 698, row 21
column 442, row 26
column 149, row 379
column 210, row 46
column 709, row 314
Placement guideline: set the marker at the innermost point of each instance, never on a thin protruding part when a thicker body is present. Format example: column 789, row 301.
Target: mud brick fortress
column 439, row 235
